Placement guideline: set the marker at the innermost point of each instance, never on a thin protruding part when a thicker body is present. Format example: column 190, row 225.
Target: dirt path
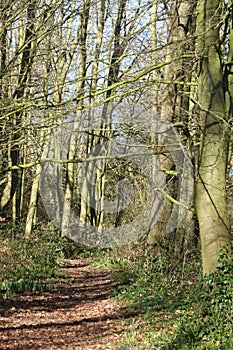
column 78, row 315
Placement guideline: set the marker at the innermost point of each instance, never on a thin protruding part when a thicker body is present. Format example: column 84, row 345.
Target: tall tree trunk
column 70, row 188
column 210, row 199
column 26, row 38
column 175, row 109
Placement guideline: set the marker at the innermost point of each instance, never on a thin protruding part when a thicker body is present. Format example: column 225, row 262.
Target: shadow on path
column 78, row 315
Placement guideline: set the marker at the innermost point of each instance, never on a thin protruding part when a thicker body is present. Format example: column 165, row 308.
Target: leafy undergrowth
column 171, row 306
column 29, row 264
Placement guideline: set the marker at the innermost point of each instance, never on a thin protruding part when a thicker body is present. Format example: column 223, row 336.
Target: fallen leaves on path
column 79, row 314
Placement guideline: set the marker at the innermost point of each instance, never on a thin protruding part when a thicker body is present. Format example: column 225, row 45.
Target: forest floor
column 78, row 314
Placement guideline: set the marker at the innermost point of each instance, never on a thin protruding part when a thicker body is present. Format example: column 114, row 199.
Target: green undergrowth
column 169, row 305
column 31, row 265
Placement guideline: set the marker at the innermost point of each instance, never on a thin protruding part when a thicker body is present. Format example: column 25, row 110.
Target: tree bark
column 210, row 198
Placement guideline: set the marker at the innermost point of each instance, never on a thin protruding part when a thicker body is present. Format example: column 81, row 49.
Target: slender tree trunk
column 93, row 189
column 70, row 188
column 33, row 202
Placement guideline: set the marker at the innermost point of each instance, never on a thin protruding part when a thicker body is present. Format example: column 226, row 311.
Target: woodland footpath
column 55, row 295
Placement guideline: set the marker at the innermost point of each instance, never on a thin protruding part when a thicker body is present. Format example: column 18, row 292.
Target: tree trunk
column 210, row 198
column 174, row 107
column 33, row 202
